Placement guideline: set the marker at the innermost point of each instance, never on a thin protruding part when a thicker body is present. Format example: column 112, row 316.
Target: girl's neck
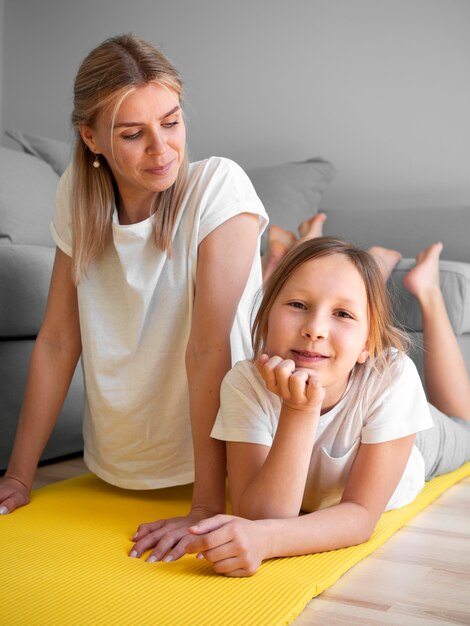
column 335, row 394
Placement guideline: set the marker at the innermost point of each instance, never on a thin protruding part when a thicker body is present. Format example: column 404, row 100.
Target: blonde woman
column 156, row 267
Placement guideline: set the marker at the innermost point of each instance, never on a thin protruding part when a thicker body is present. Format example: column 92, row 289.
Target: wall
column 1, row 63
column 379, row 87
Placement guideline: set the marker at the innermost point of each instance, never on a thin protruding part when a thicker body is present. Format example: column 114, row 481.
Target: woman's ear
column 88, row 136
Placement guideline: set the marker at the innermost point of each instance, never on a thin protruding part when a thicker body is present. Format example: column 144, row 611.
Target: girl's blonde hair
column 109, row 73
column 383, row 334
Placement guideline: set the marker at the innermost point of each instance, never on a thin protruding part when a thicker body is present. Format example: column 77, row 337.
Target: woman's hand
column 299, row 388
column 13, row 494
column 234, row 545
column 168, row 537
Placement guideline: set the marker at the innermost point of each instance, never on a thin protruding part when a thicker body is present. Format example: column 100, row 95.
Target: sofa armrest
column 25, row 273
column 455, row 286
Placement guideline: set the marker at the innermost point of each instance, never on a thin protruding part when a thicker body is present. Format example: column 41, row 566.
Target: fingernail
column 168, row 558
column 134, row 537
column 152, row 559
column 134, row 554
column 199, row 555
column 3, row 510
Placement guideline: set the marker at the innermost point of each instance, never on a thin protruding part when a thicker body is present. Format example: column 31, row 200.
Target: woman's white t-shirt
column 374, row 408
column 135, row 308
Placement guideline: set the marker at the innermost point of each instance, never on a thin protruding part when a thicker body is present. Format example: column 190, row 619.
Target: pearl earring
column 96, row 162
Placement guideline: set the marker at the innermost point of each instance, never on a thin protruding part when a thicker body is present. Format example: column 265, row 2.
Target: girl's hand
column 234, row 545
column 299, row 389
column 13, row 494
column 168, row 537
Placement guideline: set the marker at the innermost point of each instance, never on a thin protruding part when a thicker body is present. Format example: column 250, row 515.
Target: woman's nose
column 156, row 145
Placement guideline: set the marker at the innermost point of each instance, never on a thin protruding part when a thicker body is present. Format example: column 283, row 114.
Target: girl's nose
column 315, row 329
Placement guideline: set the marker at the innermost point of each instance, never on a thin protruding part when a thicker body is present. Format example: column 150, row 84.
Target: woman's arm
column 225, row 258
column 224, row 263
column 237, row 546
column 53, row 361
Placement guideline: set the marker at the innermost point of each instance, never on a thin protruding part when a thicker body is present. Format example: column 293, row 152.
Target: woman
column 143, row 289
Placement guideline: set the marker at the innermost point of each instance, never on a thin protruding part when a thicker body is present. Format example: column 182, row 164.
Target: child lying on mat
column 331, row 417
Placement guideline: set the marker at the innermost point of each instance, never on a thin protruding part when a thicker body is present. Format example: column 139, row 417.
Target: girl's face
column 148, row 137
column 320, row 321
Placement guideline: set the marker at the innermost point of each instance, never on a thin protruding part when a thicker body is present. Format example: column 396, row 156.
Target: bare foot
column 386, row 259
column 281, row 235
column 280, row 241
column 312, row 227
column 424, row 276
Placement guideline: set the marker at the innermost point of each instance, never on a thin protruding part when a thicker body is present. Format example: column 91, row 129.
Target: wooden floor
column 419, row 577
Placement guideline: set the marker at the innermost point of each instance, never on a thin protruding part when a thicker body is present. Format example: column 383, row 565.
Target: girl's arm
column 237, row 546
column 224, row 262
column 53, row 361
column 269, row 482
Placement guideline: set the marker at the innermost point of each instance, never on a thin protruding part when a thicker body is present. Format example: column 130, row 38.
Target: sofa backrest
column 27, row 196
column 407, row 230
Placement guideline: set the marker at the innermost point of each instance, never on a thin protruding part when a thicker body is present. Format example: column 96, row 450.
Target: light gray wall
column 1, row 63
column 379, row 87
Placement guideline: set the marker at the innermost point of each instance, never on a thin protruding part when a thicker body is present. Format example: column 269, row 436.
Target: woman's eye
column 169, row 124
column 133, row 136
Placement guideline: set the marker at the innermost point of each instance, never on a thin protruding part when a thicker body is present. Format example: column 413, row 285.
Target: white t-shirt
column 135, row 307
column 374, row 408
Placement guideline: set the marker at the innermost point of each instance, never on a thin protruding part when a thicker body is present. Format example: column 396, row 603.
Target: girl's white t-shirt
column 374, row 408
column 135, row 308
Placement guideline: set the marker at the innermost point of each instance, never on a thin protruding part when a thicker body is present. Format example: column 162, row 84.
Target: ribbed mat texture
column 63, row 562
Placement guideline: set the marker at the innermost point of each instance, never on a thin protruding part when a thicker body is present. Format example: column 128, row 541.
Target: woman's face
column 145, row 143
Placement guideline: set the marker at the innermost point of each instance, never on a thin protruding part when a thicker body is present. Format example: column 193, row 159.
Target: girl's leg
column 446, row 376
column 386, row 259
column 280, row 241
column 312, row 228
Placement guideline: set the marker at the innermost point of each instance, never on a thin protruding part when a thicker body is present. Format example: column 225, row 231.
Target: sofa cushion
column 53, row 151
column 25, row 273
column 27, row 197
column 291, row 192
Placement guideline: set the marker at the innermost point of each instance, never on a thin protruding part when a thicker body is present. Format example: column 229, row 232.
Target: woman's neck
column 132, row 210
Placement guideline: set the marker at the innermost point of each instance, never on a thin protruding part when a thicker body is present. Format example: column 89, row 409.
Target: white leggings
column 446, row 446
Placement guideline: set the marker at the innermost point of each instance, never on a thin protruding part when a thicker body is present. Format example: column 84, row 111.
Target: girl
column 143, row 290
column 333, row 420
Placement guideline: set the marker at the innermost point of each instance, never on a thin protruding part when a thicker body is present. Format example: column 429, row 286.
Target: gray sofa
column 290, row 192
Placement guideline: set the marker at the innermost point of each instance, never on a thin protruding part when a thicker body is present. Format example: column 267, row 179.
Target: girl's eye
column 297, row 305
column 344, row 314
column 169, row 124
column 133, row 136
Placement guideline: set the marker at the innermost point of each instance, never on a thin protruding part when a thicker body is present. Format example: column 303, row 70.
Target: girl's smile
column 320, row 321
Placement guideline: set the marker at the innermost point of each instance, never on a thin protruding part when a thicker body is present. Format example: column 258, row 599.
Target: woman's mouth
column 160, row 171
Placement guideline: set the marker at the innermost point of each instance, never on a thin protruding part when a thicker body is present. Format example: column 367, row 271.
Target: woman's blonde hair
column 383, row 334
column 109, row 73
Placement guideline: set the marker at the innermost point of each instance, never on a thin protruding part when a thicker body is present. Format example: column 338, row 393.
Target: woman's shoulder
column 216, row 166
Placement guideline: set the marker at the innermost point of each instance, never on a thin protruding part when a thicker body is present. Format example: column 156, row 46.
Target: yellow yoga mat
column 63, row 562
